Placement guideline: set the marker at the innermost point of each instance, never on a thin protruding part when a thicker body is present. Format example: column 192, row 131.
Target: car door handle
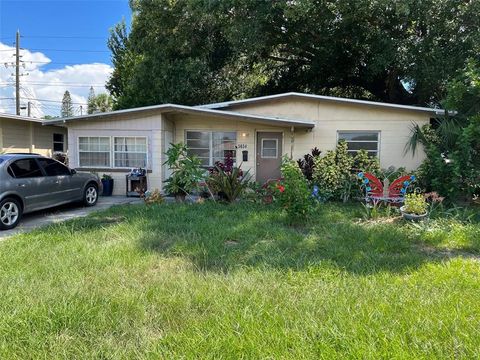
column 57, row 182
column 22, row 185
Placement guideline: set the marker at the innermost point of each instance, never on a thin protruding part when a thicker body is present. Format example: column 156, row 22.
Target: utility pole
column 29, row 109
column 17, row 72
column 81, row 110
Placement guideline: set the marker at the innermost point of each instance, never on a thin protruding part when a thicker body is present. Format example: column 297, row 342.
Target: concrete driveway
column 66, row 212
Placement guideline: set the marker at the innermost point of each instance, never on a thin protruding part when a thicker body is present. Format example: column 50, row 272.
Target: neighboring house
column 28, row 135
column 257, row 131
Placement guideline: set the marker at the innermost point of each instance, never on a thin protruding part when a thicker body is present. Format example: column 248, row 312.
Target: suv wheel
column 90, row 195
column 10, row 213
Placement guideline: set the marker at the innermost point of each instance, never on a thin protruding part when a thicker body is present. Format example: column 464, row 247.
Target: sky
column 64, row 48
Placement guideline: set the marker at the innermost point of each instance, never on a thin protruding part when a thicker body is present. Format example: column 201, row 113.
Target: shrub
column 415, row 204
column 454, row 174
column 228, row 181
column 186, row 170
column 333, row 172
column 293, row 192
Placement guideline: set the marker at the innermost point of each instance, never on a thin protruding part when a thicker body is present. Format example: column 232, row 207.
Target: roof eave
column 227, row 104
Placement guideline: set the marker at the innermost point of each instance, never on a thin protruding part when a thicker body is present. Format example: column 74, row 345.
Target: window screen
column 269, row 148
column 94, row 151
column 130, row 152
column 361, row 140
column 212, row 146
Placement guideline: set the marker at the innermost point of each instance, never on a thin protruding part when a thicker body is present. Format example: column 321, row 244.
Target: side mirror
column 73, row 171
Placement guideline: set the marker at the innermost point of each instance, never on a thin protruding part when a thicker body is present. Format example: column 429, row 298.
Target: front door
column 269, row 155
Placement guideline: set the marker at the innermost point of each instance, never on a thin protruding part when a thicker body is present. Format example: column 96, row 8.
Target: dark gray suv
column 31, row 182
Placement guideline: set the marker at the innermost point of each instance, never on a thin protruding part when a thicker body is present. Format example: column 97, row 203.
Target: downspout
column 292, row 141
column 32, row 145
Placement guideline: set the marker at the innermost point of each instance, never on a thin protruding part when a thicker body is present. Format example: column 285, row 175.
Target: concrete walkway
column 66, row 212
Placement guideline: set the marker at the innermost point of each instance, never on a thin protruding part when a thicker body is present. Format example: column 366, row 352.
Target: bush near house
column 335, row 172
column 295, row 195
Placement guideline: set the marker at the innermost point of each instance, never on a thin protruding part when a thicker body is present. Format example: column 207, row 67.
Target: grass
column 215, row 281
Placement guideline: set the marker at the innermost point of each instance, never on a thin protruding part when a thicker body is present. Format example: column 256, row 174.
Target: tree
column 192, row 51
column 90, row 101
column 100, row 103
column 67, row 106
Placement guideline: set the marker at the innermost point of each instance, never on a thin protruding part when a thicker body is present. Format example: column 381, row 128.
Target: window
column 58, row 142
column 269, row 148
column 94, row 151
column 53, row 168
column 25, row 168
column 130, row 152
column 361, row 140
column 212, row 146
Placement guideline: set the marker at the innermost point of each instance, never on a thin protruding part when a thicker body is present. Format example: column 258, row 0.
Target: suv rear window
column 25, row 168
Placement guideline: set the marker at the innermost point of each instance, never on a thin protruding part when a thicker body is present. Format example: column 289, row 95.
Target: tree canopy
column 190, row 51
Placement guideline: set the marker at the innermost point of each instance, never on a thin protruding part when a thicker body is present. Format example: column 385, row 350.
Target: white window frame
column 211, row 161
column 112, row 151
column 133, row 152
column 378, row 132
column 276, row 148
column 90, row 166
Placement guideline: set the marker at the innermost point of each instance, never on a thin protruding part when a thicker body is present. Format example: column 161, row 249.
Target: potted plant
column 186, row 171
column 107, row 182
column 415, row 207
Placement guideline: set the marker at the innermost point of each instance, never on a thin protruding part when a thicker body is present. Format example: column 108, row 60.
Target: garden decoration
column 376, row 191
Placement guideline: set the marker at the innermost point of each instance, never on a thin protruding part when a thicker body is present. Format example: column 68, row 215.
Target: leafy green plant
column 186, row 170
column 415, row 203
column 106, row 177
column 228, row 182
column 294, row 194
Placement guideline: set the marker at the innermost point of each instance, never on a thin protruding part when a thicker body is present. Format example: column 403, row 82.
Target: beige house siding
column 246, row 133
column 147, row 126
column 28, row 136
column 331, row 117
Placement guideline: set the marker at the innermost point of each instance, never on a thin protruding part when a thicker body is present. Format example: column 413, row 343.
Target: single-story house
column 28, row 135
column 256, row 131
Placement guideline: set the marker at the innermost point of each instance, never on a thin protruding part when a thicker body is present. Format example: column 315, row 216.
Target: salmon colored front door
column 269, row 155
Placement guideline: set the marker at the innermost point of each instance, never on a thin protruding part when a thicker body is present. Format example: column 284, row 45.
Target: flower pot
column 412, row 217
column 107, row 187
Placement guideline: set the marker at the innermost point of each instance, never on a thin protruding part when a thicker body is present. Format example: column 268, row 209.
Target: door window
column 25, row 168
column 269, row 148
column 54, row 168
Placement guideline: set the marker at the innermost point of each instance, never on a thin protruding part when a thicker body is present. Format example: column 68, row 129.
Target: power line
column 61, row 85
column 46, row 100
column 62, row 37
column 71, row 50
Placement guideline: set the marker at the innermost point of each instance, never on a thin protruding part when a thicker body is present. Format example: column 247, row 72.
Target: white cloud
column 48, row 84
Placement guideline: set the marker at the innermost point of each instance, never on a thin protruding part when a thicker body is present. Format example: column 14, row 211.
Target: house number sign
column 241, row 146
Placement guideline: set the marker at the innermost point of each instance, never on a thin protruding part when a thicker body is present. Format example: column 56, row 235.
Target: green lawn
column 219, row 281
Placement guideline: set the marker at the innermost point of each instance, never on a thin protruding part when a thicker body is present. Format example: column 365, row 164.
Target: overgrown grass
column 218, row 281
